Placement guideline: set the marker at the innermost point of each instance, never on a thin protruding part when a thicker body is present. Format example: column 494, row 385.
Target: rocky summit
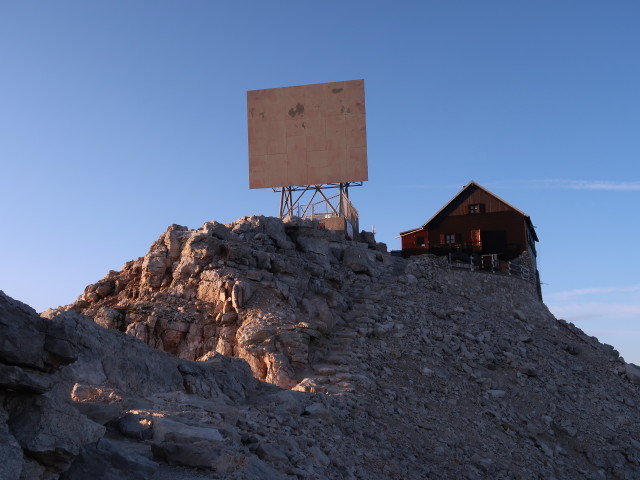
column 265, row 349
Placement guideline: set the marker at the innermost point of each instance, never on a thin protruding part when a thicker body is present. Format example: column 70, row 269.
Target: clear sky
column 120, row 118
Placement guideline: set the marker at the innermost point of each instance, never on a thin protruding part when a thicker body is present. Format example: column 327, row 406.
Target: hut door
column 476, row 242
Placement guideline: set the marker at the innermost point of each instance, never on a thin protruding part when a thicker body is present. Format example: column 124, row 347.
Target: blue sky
column 120, row 118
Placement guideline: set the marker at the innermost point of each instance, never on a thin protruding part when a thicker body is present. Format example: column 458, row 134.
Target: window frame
column 475, row 208
column 450, row 238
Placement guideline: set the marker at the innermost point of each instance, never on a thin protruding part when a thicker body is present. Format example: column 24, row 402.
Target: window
column 420, row 241
column 475, row 208
column 450, row 238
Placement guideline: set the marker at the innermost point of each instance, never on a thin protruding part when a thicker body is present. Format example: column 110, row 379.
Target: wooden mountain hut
column 474, row 223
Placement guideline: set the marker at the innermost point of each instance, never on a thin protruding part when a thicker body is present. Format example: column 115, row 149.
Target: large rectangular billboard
column 307, row 135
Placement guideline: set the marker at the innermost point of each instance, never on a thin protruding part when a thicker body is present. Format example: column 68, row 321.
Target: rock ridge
column 260, row 289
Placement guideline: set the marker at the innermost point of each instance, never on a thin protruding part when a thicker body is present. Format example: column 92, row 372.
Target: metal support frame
column 290, row 206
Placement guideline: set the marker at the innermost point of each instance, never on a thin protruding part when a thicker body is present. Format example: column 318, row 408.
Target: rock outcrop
column 394, row 369
column 78, row 401
column 258, row 289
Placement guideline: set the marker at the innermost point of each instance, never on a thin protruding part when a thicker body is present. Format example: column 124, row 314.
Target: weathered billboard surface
column 307, row 135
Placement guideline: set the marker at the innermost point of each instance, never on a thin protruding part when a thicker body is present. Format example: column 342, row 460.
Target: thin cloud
column 594, row 310
column 447, row 186
column 588, row 184
column 559, row 296
column 549, row 183
column 615, row 333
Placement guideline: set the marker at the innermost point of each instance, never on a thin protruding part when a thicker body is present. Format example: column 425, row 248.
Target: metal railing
column 318, row 210
column 491, row 263
column 335, row 206
column 468, row 246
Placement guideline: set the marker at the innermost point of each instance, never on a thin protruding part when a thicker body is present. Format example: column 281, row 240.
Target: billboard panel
column 307, row 135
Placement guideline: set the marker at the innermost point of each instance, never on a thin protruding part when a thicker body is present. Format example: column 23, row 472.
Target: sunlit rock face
column 259, row 289
column 391, row 368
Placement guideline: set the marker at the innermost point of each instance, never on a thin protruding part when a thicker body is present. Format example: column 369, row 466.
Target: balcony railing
column 491, row 263
column 468, row 246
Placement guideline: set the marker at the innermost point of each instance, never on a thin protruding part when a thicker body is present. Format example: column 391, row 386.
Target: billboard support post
column 335, row 206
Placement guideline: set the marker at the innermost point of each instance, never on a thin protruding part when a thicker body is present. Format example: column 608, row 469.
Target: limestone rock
column 10, row 451
column 110, row 460
column 632, row 372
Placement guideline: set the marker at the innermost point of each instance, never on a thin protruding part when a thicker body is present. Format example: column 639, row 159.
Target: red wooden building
column 477, row 222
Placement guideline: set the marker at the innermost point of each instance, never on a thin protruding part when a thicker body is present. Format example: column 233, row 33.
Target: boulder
column 632, row 372
column 110, row 460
